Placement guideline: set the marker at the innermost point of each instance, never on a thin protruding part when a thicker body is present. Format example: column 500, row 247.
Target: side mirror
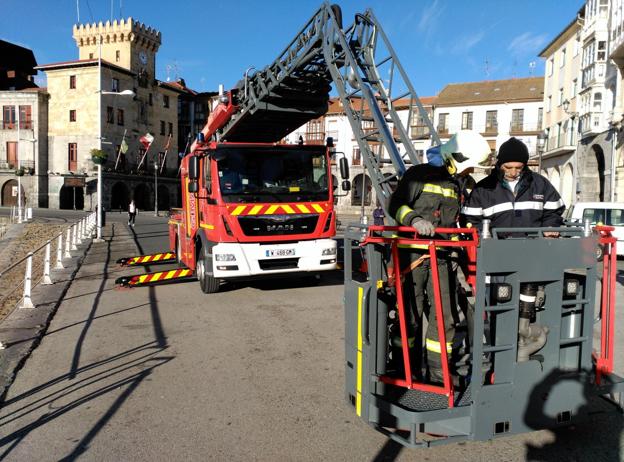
column 346, row 185
column 193, row 187
column 193, row 168
column 344, row 168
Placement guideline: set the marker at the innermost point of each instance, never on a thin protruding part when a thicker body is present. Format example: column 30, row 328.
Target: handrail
column 79, row 231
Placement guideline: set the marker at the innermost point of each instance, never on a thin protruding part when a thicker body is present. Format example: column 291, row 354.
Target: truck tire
column 208, row 284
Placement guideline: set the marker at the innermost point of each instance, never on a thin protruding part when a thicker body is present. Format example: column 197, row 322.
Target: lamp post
column 99, row 165
column 155, row 189
column 19, row 169
column 573, row 115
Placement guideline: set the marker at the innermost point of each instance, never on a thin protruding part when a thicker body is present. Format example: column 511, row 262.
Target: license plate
column 280, row 252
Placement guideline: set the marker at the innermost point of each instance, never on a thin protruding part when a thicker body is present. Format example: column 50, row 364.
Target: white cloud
column 429, row 19
column 527, row 43
column 464, row 44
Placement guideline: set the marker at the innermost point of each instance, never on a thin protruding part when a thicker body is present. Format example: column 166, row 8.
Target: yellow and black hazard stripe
column 154, row 278
column 277, row 209
column 163, row 257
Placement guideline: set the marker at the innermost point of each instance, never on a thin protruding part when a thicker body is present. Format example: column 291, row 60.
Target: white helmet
column 465, row 149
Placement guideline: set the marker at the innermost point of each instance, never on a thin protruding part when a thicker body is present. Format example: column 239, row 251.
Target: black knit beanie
column 513, row 150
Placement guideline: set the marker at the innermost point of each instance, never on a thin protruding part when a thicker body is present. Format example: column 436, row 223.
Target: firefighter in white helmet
column 428, row 197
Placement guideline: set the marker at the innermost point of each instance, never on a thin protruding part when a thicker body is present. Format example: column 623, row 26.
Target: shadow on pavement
column 147, row 361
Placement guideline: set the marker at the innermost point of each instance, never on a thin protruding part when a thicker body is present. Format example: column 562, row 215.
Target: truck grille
column 279, row 263
column 278, row 224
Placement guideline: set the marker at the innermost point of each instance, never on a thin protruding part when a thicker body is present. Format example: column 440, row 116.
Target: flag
column 146, row 140
column 124, row 146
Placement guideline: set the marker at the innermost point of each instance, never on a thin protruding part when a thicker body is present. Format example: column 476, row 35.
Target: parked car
column 607, row 213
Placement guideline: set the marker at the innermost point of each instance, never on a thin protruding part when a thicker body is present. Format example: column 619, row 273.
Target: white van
column 607, row 213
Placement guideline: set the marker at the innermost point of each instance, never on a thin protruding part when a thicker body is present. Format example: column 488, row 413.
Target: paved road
column 252, row 373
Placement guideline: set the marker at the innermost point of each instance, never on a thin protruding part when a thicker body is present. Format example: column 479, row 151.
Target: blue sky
column 208, row 42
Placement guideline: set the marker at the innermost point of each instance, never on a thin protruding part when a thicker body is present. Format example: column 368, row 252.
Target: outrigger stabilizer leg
column 161, row 257
column 158, row 277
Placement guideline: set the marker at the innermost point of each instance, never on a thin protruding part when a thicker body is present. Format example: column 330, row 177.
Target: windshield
column 272, row 175
column 609, row 217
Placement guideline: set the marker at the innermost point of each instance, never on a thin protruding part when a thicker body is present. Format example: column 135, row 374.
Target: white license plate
column 280, row 252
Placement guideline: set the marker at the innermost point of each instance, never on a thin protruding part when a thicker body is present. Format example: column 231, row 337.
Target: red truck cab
column 254, row 209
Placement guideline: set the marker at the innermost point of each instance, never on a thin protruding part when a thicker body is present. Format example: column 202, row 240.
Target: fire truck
column 261, row 208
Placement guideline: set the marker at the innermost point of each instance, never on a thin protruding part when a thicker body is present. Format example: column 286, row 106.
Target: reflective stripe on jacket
column 426, row 192
column 536, row 203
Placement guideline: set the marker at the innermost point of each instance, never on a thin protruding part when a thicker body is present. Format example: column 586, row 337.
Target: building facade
column 559, row 162
column 24, row 147
column 106, row 100
column 497, row 109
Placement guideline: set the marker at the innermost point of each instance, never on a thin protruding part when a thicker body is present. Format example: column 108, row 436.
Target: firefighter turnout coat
column 426, row 192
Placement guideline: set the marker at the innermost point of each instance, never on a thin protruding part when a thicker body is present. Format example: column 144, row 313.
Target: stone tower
column 127, row 43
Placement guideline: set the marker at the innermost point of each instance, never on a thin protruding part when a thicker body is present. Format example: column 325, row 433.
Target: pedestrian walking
column 132, row 211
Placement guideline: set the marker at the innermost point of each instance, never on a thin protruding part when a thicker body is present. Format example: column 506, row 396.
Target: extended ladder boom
column 269, row 104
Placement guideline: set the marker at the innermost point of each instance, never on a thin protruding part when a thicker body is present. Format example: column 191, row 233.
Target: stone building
column 108, row 95
column 24, row 147
column 23, row 129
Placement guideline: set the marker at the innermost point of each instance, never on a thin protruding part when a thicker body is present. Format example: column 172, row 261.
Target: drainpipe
column 614, row 135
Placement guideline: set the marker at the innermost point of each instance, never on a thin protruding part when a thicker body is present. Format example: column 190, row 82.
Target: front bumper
column 258, row 259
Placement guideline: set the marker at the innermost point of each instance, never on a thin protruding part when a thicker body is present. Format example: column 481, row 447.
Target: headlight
column 225, row 257
column 571, row 287
column 330, row 251
column 503, row 292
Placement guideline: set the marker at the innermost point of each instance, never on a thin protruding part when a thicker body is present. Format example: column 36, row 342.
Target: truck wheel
column 208, row 284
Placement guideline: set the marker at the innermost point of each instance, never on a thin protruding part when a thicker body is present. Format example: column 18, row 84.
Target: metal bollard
column 485, row 230
column 78, row 233
column 46, row 266
column 59, row 253
column 74, row 240
column 67, row 244
column 27, row 303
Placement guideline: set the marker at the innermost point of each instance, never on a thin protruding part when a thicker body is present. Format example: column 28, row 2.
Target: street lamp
column 566, row 108
column 155, row 189
column 541, row 144
column 99, row 165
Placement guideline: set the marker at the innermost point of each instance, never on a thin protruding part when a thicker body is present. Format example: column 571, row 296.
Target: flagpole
column 188, row 141
column 162, row 165
column 120, row 148
column 143, row 158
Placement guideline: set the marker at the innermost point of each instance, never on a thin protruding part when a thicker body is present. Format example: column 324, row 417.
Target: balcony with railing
column 12, row 164
column 12, row 125
column 419, row 132
column 559, row 143
column 315, row 137
column 523, row 128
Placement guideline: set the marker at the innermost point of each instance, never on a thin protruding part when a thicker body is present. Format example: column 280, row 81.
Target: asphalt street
column 254, row 372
